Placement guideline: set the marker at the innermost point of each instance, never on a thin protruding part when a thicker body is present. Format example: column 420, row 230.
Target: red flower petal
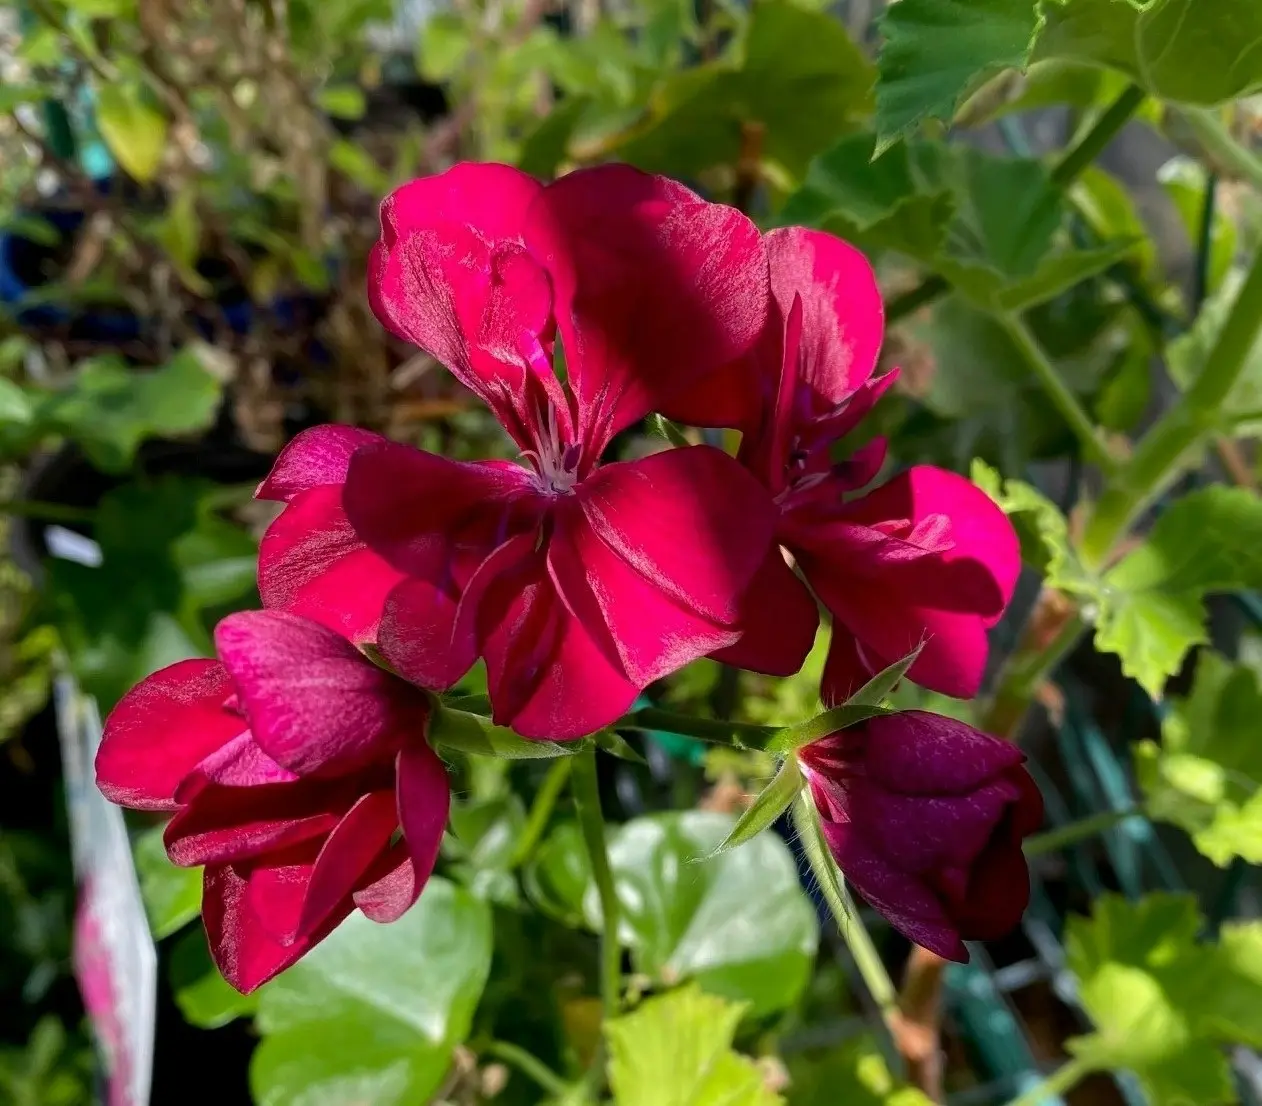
column 843, row 318
column 691, row 521
column 315, row 457
column 423, row 798
column 653, row 288
column 347, row 855
column 432, row 517
column 161, row 729
column 244, row 908
column 982, row 536
column 779, row 620
column 313, row 700
column 641, row 629
column 547, row 676
column 313, row 564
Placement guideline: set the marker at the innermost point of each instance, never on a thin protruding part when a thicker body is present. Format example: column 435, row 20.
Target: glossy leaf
column 1206, row 774
column 374, row 1012
column 485, row 834
column 738, row 923
column 1152, row 608
column 558, row 873
column 173, row 896
column 936, row 50
column 676, row 1050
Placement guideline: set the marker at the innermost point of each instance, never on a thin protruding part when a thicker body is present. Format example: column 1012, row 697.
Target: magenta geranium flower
column 925, row 817
column 298, row 774
column 571, row 310
column 926, row 557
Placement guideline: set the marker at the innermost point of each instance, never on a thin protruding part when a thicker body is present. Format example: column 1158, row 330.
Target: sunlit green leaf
column 1152, row 607
column 1153, row 993
column 936, row 50
column 1206, row 774
column 373, row 1013
column 461, row 730
column 135, row 131
column 676, row 1050
column 444, row 46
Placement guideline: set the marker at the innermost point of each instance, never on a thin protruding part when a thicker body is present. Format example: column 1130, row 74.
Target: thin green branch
column 1102, row 132
column 530, row 1066
column 1181, row 432
column 541, row 809
column 1072, row 163
column 47, row 512
column 1057, row 390
column 1061, row 1080
column 591, row 821
column 1074, row 832
column 744, row 735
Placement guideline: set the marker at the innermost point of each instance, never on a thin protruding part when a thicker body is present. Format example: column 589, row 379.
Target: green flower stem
column 1181, row 432
column 743, row 735
column 1222, row 151
column 541, row 809
column 592, row 823
column 1057, row 391
column 866, row 958
column 47, row 512
column 530, row 1066
column 1102, row 132
column 1021, row 677
column 1064, row 173
column 1061, row 1080
column 1074, row 832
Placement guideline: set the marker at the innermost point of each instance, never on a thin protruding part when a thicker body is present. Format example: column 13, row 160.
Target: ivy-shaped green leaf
column 374, row 1013
column 676, row 1050
column 936, row 50
column 739, row 923
column 1152, row 609
column 1206, row 774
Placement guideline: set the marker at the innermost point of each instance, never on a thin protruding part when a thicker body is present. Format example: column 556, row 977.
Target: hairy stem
column 866, row 958
column 743, row 735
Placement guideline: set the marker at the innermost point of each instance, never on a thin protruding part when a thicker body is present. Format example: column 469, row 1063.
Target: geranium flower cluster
column 298, row 769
